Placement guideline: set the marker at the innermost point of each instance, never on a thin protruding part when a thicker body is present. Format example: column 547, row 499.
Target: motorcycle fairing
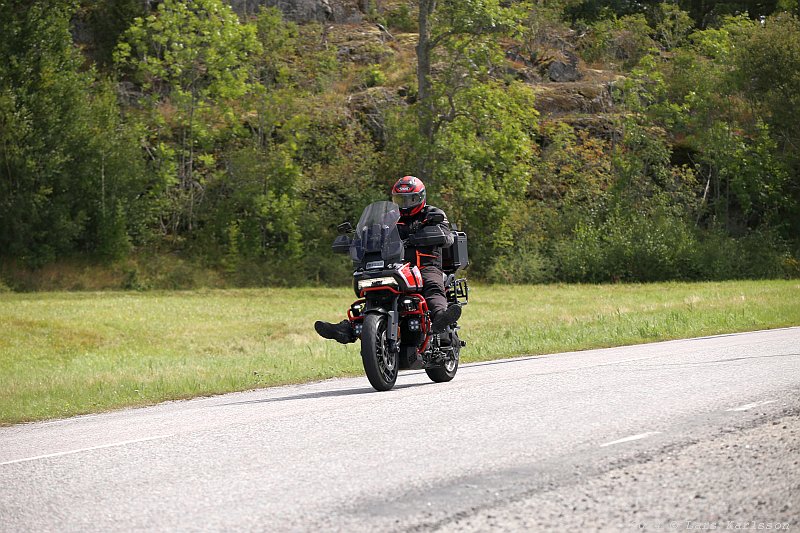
column 376, row 235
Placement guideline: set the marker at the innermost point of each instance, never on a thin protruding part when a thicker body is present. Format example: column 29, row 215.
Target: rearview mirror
column 345, row 228
column 341, row 245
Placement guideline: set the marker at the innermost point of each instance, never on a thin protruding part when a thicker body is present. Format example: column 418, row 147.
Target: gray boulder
column 565, row 71
column 562, row 72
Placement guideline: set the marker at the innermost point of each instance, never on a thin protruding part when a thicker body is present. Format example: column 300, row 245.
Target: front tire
column 380, row 364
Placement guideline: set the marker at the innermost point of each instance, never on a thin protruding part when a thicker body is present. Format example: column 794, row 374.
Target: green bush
column 757, row 255
column 626, row 39
column 657, row 246
column 374, row 76
column 579, row 257
column 401, row 19
column 523, row 266
column 791, row 267
column 627, row 246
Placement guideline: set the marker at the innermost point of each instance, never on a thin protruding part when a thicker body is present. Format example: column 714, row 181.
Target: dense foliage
column 133, row 130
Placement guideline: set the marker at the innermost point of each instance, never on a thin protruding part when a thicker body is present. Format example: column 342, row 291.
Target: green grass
column 63, row 354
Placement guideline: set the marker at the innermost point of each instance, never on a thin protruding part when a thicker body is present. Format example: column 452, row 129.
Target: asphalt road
column 668, row 436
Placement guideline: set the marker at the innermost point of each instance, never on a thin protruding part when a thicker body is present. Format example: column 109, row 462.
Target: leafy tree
column 768, row 75
column 710, row 13
column 484, row 159
column 191, row 61
column 69, row 167
column 671, row 25
column 625, row 39
column 474, row 137
column 456, row 47
column 694, row 97
column 768, row 69
column 278, row 40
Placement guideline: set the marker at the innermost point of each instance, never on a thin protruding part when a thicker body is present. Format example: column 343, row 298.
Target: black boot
column 341, row 332
column 445, row 318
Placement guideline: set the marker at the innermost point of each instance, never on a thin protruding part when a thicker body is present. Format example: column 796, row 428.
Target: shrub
column 757, row 255
column 401, row 19
column 791, row 267
column 627, row 246
column 374, row 76
column 626, row 39
column 523, row 266
column 659, row 245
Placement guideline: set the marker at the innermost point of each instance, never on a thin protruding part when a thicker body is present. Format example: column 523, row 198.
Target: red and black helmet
column 409, row 194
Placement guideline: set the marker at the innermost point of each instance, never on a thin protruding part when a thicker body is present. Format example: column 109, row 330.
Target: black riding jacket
column 423, row 256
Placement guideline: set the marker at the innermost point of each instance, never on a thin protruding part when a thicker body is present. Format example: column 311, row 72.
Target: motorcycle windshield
column 377, row 234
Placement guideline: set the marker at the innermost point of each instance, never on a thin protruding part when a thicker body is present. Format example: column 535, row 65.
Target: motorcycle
column 391, row 316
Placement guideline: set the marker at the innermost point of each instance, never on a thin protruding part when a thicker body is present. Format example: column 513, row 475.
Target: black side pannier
column 455, row 257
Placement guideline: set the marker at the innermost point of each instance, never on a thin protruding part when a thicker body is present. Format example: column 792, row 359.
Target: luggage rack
column 458, row 292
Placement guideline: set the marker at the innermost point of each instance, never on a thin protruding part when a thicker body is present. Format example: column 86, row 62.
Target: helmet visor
column 407, row 200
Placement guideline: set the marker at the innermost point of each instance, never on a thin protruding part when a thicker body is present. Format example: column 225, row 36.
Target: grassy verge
column 63, row 354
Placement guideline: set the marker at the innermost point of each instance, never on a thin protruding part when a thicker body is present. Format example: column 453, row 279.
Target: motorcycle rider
column 410, row 195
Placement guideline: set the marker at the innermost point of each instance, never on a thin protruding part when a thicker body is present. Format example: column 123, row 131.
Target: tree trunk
column 190, row 170
column 103, row 186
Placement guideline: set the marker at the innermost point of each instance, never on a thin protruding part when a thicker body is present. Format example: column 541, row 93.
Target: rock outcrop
column 363, row 44
column 575, row 97
column 340, row 11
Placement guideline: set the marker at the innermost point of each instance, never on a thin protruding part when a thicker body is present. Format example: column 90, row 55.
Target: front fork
column 361, row 308
column 393, row 326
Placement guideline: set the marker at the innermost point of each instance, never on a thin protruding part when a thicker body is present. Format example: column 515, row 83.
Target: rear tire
column 443, row 374
column 380, row 364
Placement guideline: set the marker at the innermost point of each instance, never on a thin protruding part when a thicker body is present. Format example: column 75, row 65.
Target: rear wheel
column 442, row 374
column 380, row 364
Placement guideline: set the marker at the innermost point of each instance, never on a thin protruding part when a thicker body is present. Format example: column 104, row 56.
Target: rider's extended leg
column 341, row 332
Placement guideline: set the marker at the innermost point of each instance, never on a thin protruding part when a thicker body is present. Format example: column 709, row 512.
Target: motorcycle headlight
column 376, row 282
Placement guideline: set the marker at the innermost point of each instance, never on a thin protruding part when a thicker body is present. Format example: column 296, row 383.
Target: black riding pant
column 433, row 289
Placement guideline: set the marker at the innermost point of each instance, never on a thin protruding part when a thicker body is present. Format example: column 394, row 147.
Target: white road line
column 747, row 406
column 84, row 449
column 631, row 438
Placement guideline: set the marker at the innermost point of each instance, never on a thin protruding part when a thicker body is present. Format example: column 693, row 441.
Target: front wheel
column 380, row 363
